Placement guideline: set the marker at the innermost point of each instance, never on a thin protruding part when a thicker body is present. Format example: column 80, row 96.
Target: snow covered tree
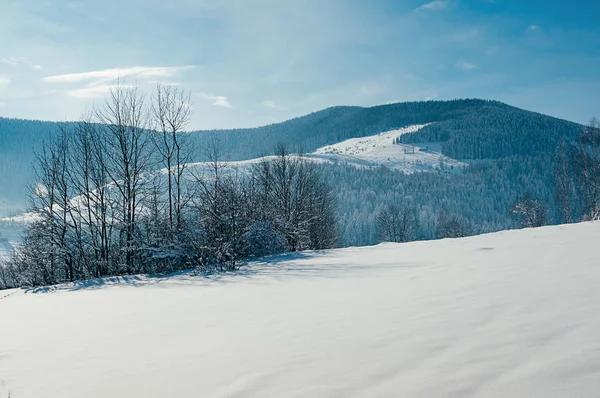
column 586, row 161
column 563, row 182
column 261, row 239
column 292, row 196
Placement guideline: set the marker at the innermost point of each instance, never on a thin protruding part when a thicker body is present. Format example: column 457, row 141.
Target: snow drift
column 508, row 314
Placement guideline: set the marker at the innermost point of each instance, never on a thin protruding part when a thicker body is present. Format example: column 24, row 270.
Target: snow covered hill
column 511, row 314
column 382, row 150
column 367, row 152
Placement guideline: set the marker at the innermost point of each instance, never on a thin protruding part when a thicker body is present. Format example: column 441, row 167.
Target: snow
column 204, row 169
column 380, row 150
column 365, row 152
column 5, row 250
column 510, row 314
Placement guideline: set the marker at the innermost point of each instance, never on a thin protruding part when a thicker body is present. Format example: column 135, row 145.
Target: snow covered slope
column 511, row 314
column 381, row 150
column 369, row 152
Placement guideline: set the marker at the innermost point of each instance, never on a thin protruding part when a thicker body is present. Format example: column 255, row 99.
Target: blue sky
column 254, row 62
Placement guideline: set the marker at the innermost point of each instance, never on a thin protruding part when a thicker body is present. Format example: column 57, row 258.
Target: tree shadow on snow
column 266, row 268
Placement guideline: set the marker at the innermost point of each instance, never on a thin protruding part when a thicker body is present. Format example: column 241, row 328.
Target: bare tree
column 451, row 226
column 210, row 182
column 529, row 212
column 94, row 210
column 50, row 206
column 171, row 111
column 295, row 201
column 396, row 224
column 125, row 123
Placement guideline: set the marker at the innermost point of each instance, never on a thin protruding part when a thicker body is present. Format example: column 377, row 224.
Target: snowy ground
column 380, row 150
column 511, row 314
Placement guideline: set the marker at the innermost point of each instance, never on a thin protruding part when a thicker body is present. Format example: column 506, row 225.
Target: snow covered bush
column 262, row 240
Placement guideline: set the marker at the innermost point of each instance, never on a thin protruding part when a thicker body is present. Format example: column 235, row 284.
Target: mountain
column 480, row 157
column 471, row 128
column 468, row 129
column 19, row 140
column 513, row 314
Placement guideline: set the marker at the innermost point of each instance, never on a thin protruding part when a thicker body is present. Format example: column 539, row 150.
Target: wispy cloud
column 144, row 72
column 466, row 65
column 18, row 62
column 12, row 61
column 4, row 81
column 98, row 83
column 217, row 100
column 533, row 28
column 92, row 91
column 434, row 5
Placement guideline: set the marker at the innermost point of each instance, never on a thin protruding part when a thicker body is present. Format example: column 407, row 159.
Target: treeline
column 480, row 196
column 100, row 208
column 562, row 188
column 576, row 182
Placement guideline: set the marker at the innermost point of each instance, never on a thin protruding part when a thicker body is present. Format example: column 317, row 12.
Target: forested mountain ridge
column 472, row 128
column 494, row 131
column 19, row 140
column 511, row 151
column 469, row 128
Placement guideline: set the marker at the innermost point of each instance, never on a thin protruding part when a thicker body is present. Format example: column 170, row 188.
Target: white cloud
column 37, row 67
column 99, row 82
column 217, row 100
column 4, row 81
column 533, row 28
column 434, row 5
column 465, row 65
column 94, row 90
column 270, row 104
column 143, row 72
